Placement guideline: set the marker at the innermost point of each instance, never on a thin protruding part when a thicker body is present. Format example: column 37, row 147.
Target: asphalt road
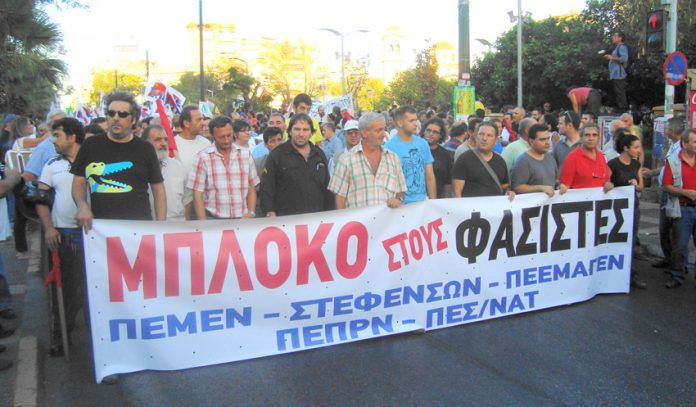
column 635, row 349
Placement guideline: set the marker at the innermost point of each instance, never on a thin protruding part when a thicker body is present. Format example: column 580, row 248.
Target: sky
column 159, row 26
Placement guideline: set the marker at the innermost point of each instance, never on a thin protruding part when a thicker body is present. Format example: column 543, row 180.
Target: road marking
column 26, row 386
column 649, row 205
column 650, row 219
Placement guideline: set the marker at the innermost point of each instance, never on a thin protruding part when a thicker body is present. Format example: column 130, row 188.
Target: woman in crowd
column 625, row 171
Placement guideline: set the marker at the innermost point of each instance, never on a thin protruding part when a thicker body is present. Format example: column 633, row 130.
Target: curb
column 27, row 384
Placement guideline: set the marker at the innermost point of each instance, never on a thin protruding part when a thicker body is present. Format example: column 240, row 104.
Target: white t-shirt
column 56, row 174
column 177, row 195
column 189, row 149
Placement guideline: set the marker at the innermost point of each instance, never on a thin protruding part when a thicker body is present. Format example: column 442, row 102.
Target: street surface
column 619, row 350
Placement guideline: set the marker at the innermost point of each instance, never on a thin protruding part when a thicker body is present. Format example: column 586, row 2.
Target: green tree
column 556, row 54
column 291, row 69
column 107, row 80
column 30, row 71
column 421, row 86
column 559, row 53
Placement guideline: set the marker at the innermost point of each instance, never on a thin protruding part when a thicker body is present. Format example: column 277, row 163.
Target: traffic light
column 655, row 31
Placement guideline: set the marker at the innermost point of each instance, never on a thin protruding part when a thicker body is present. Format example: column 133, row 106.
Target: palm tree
column 30, row 72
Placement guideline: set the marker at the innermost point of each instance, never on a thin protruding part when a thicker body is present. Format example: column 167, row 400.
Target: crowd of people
column 252, row 165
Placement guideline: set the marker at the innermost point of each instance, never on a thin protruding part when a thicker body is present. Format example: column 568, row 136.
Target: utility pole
column 464, row 51
column 147, row 64
column 519, row 52
column 670, row 46
column 200, row 35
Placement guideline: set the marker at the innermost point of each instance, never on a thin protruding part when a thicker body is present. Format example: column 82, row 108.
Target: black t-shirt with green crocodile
column 118, row 176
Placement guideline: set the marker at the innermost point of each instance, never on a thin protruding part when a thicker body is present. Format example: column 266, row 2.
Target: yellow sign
column 464, row 101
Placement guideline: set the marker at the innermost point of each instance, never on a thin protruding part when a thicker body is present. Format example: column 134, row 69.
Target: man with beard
column 535, row 170
column 61, row 230
column 224, row 177
column 117, row 170
column 178, row 197
column 296, row 175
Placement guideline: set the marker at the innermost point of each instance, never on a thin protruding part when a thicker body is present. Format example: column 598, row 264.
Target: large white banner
column 173, row 295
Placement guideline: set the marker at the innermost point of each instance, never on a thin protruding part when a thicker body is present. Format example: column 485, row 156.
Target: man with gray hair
column 174, row 173
column 679, row 182
column 369, row 174
column 520, row 146
column 673, row 130
column 609, row 148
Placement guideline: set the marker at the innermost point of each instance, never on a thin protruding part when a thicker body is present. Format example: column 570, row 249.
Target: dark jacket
column 290, row 185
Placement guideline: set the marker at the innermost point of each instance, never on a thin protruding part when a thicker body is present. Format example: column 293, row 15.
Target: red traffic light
column 655, row 20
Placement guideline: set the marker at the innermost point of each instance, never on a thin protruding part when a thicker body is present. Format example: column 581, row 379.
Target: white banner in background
column 171, row 295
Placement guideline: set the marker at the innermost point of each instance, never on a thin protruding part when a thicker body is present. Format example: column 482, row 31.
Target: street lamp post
column 200, row 38
column 343, row 55
column 519, row 19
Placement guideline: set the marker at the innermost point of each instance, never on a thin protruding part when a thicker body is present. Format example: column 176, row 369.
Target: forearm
column 431, row 184
column 198, row 205
column 340, row 202
column 527, row 189
column 79, row 192
column 44, row 216
column 160, row 199
column 457, row 187
column 672, row 190
column 251, row 199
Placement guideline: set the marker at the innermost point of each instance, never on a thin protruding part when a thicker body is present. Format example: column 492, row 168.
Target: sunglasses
column 120, row 113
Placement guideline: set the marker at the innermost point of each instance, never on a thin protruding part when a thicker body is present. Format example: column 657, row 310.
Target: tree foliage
column 30, row 72
column 291, row 69
column 421, row 86
column 559, row 53
column 109, row 79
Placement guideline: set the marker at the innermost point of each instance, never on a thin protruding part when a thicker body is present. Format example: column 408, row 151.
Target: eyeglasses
column 120, row 113
column 567, row 117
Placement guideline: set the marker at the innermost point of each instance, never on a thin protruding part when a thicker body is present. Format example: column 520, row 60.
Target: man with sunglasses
column 117, row 170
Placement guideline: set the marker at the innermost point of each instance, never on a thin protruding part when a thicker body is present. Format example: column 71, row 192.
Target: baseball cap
column 8, row 118
column 351, row 125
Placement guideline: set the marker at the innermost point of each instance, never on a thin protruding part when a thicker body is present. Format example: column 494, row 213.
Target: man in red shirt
column 687, row 203
column 585, row 167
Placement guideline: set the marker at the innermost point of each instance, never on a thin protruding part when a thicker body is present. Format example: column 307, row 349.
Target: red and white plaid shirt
column 225, row 185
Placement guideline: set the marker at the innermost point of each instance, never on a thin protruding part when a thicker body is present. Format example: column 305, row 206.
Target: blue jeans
column 684, row 229
column 5, row 296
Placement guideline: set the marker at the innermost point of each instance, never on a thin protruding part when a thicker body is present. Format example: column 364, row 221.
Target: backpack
column 628, row 66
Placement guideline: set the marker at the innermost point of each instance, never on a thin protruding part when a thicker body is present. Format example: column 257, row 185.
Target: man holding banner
column 369, row 174
column 296, row 174
column 116, row 170
column 414, row 153
column 224, row 176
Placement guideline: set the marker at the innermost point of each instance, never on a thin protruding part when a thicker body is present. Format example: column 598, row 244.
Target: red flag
column 164, row 120
column 54, row 275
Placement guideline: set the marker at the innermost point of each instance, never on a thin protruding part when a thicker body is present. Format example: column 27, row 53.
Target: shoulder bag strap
column 489, row 169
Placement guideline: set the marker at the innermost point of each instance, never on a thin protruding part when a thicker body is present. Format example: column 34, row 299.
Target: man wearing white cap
column 352, row 136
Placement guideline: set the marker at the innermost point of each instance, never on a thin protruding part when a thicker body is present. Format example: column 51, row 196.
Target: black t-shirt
column 118, row 176
column 477, row 181
column 622, row 173
column 442, row 166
